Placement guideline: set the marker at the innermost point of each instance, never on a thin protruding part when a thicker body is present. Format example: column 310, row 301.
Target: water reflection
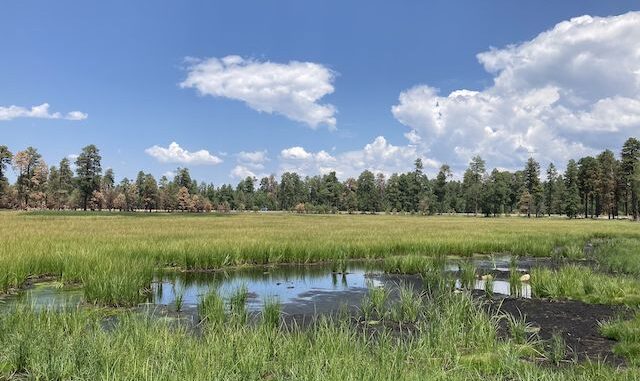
column 290, row 284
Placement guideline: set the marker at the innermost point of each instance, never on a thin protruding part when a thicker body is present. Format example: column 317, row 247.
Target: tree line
column 589, row 187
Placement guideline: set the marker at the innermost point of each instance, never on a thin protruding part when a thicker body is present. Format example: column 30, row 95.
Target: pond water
column 300, row 289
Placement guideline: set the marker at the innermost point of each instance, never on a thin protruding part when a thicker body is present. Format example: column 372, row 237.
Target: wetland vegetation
column 394, row 297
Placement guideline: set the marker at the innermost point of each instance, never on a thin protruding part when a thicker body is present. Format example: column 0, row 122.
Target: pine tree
column 630, row 159
column 572, row 191
column 26, row 162
column 5, row 160
column 472, row 183
column 532, row 184
column 440, row 188
column 367, row 194
column 608, row 183
column 550, row 187
column 88, row 169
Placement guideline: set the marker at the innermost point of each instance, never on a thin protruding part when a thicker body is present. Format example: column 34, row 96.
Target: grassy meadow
column 113, row 257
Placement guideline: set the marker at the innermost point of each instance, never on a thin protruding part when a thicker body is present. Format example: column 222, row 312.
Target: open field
column 75, row 246
column 412, row 334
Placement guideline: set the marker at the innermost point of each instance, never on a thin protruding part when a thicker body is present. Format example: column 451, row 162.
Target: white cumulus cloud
column 377, row 156
column 570, row 91
column 295, row 153
column 291, row 89
column 41, row 112
column 242, row 172
column 253, row 158
column 176, row 154
column 248, row 163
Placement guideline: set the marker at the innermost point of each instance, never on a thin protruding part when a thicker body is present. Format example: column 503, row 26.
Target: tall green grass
column 620, row 255
column 73, row 245
column 584, row 284
column 457, row 341
column 627, row 333
column 113, row 254
column 211, row 309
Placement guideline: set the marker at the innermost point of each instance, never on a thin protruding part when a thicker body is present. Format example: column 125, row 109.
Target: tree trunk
column 634, row 205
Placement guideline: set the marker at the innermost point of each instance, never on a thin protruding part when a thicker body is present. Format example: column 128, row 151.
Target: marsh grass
column 116, row 284
column 55, row 243
column 179, row 301
column 115, row 254
column 515, row 284
column 409, row 304
column 557, row 348
column 271, row 313
column 379, row 297
column 584, row 284
column 238, row 305
column 467, row 274
column 627, row 333
column 489, row 284
column 619, row 255
column 457, row 341
column 521, row 331
column 211, row 308
column 367, row 308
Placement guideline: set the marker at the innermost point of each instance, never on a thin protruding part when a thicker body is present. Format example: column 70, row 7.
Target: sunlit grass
column 457, row 341
column 627, row 333
column 584, row 284
column 114, row 254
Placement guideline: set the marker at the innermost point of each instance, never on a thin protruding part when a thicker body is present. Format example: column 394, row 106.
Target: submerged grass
column 515, row 284
column 467, row 274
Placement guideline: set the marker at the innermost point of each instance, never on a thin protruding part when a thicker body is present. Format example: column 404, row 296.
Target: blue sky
column 120, row 65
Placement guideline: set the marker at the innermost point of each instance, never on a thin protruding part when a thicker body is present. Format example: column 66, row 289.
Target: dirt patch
column 577, row 322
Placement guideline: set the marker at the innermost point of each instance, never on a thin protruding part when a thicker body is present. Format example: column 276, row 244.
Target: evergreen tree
column 472, row 183
column 440, row 188
column 60, row 185
column 550, row 188
column 417, row 188
column 291, row 190
column 607, row 183
column 393, row 193
column 5, row 160
column 107, row 188
column 630, row 159
column 183, row 179
column 148, row 192
column 532, row 184
column 88, row 170
column 572, row 190
column 331, row 190
column 367, row 194
column 381, row 186
column 588, row 178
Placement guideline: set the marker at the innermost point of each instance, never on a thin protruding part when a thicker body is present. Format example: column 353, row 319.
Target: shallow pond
column 301, row 289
